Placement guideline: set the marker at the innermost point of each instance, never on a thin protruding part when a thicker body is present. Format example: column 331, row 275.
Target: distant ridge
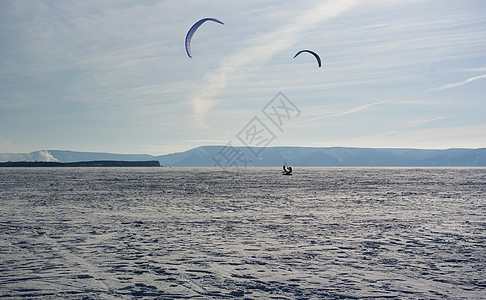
column 206, row 156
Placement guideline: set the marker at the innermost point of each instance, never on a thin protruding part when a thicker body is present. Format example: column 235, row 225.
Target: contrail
column 366, row 106
column 456, row 84
column 346, row 112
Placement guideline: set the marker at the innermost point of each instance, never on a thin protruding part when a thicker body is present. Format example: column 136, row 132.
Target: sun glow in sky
column 113, row 76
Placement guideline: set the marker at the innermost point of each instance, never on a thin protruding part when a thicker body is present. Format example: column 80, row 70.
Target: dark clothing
column 287, row 170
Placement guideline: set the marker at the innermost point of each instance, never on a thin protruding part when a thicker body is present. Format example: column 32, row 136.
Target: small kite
column 311, row 52
column 193, row 29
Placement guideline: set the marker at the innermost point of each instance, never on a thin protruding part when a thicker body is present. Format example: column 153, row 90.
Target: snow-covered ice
column 115, row 233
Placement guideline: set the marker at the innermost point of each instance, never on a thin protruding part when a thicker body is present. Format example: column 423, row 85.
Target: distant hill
column 208, row 156
column 333, row 157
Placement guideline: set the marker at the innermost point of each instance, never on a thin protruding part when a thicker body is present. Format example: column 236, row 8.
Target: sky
column 114, row 76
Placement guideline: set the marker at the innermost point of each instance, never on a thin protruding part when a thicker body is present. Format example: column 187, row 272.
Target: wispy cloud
column 356, row 109
column 218, row 142
column 456, row 84
column 393, row 101
column 261, row 50
column 471, row 136
column 341, row 113
column 81, row 72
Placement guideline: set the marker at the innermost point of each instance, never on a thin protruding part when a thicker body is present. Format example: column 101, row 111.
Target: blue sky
column 113, row 76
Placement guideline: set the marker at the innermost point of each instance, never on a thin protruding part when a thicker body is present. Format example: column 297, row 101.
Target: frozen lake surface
column 122, row 233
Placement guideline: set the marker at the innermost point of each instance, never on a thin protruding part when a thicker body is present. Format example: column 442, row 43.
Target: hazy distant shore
column 214, row 156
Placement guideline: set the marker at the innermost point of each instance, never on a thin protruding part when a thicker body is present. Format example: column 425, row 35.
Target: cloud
column 420, row 122
column 356, row 109
column 82, row 66
column 471, row 136
column 44, row 156
column 262, row 49
column 456, row 84
column 211, row 141
column 342, row 113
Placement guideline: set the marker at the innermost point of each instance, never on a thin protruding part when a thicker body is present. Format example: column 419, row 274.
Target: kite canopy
column 193, row 29
column 311, row 52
